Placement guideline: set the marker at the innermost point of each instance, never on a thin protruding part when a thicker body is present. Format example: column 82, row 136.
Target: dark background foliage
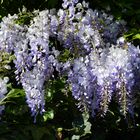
column 62, row 118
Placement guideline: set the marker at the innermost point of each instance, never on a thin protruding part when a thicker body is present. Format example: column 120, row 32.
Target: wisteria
column 97, row 78
column 9, row 33
column 102, row 66
column 3, row 91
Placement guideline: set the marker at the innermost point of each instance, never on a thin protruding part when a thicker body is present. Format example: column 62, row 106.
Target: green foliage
column 24, row 17
column 13, row 93
column 64, row 56
column 29, row 132
column 49, row 114
column 5, row 60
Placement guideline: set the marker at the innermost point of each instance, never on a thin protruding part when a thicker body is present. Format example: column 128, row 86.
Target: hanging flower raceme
column 10, row 33
column 3, row 91
column 98, row 77
column 39, row 66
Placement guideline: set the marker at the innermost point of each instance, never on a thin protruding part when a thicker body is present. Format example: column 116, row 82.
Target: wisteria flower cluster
column 101, row 65
column 98, row 77
column 3, row 91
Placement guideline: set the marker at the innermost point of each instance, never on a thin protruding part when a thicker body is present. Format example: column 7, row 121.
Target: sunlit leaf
column 48, row 115
column 137, row 36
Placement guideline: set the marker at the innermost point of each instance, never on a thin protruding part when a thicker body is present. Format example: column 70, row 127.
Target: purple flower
column 3, row 91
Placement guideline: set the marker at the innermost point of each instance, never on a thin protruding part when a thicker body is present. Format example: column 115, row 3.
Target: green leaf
column 87, row 124
column 64, row 56
column 137, row 36
column 75, row 137
column 1, row 1
column 16, row 93
column 48, row 115
column 13, row 93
